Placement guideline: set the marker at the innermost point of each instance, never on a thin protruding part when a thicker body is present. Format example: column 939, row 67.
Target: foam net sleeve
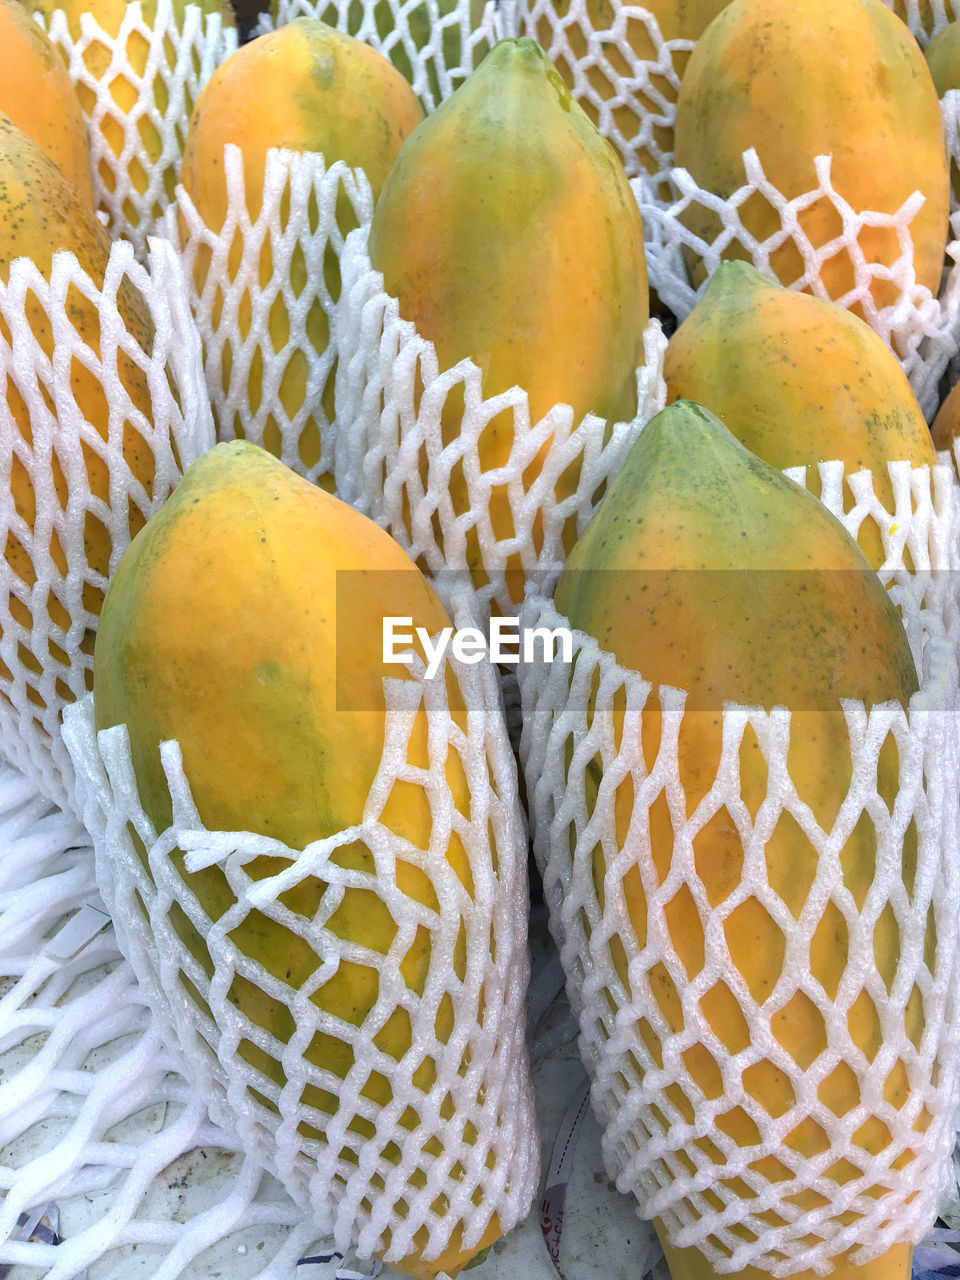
column 95, row 432
column 855, row 1151
column 263, row 290
column 137, row 89
column 921, row 329
column 500, row 510
column 405, row 1143
column 435, row 44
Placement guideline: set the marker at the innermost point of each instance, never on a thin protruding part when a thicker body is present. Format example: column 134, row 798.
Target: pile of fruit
column 352, row 324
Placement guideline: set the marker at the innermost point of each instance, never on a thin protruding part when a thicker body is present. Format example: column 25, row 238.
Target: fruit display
column 871, row 106
column 137, row 73
column 304, row 88
column 386, row 333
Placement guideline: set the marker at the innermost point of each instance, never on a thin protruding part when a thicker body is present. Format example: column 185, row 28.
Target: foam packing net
column 925, row 18
column 415, row 1137
column 101, row 1134
column 679, row 1088
column 924, row 331
column 435, row 44
column 494, row 508
column 262, row 290
column 137, row 88
column 95, row 432
column 625, row 74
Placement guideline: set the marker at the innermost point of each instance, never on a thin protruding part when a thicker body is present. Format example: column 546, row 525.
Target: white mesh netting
column 95, row 431
column 625, row 75
column 428, row 1127
column 137, row 89
column 96, row 1121
column 923, row 330
column 435, row 44
column 672, row 1089
column 470, row 505
column 264, row 317
column 925, row 18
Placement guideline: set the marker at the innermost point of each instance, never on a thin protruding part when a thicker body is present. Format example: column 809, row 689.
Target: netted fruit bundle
column 102, row 407
column 771, row 1037
column 406, row 1128
column 137, row 79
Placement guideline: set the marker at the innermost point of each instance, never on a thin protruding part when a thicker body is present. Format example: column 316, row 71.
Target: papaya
column 946, row 425
column 42, row 211
column 354, row 19
column 36, row 94
column 705, row 568
column 114, row 170
column 305, row 87
column 807, row 79
column 279, row 710
column 508, row 232
column 676, row 20
column 798, row 380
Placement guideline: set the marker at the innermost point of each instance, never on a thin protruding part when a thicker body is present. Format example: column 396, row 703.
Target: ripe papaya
column 705, row 568
column 798, row 380
column 98, row 61
column 676, row 19
column 42, row 211
column 353, row 19
column 808, row 79
column 261, row 699
column 509, row 234
column 305, row 87
column 37, row 96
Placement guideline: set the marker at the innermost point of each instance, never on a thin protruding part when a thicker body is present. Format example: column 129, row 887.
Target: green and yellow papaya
column 705, row 568
column 279, row 710
column 807, row 79
column 42, row 211
column 36, row 95
column 305, row 87
column 124, row 89
column 798, row 381
column 509, row 234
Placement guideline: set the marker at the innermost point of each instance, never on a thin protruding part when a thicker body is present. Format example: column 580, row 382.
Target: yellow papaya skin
column 109, row 15
column 798, row 380
column 37, row 96
column 677, row 20
column 706, row 569
column 251, row 694
column 304, row 87
column 42, row 211
column 808, row 79
column 509, row 234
